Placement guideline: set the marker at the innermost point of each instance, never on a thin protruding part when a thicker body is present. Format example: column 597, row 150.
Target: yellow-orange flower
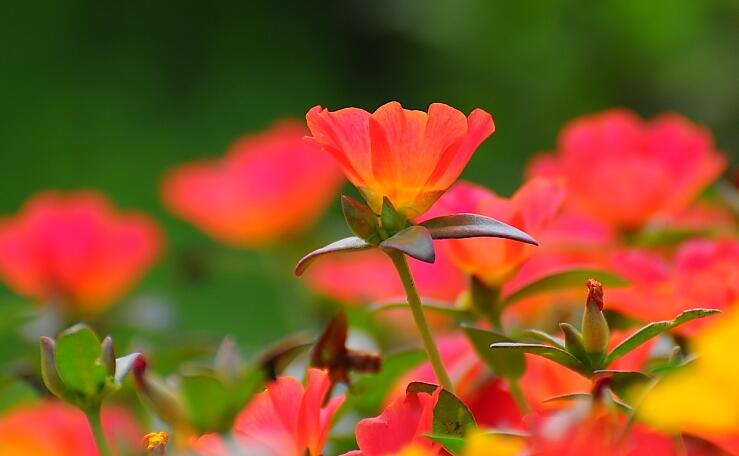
column 410, row 157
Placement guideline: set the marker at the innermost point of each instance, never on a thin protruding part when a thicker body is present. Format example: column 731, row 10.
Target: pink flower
column 54, row 429
column 404, row 422
column 411, row 157
column 703, row 273
column 268, row 186
column 624, row 171
column 285, row 420
column 531, row 209
column 76, row 250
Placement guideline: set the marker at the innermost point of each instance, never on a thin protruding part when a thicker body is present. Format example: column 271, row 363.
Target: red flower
column 76, row 250
column 285, row 420
column 624, row 171
column 531, row 209
column 410, row 157
column 55, row 429
column 404, row 422
column 268, row 186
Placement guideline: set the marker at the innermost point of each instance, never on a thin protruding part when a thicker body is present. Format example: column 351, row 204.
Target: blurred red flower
column 54, row 429
column 76, row 250
column 268, row 186
column 531, row 209
column 624, row 170
column 406, row 421
column 285, row 420
column 410, row 157
column 703, row 273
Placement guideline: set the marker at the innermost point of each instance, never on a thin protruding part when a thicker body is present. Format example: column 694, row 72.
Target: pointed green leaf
column 78, row 360
column 49, row 372
column 459, row 226
column 428, row 304
column 343, row 245
column 563, row 280
column 451, row 415
column 654, row 329
column 108, row 357
column 505, row 363
column 452, row 443
column 360, row 218
column 392, row 220
column 541, row 336
column 555, row 354
column 415, row 241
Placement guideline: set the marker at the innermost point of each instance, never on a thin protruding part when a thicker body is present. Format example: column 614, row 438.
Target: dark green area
column 109, row 95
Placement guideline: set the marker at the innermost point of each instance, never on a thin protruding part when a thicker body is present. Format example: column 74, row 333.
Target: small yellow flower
column 156, row 440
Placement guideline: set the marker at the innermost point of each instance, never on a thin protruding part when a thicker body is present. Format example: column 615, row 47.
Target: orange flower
column 268, row 186
column 55, row 429
column 410, row 157
column 530, row 209
column 625, row 171
column 76, row 250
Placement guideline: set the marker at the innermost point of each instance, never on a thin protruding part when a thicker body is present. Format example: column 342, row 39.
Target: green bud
column 360, row 218
column 49, row 372
column 595, row 331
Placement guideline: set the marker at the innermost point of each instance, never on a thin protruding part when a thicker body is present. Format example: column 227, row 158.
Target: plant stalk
column 96, row 424
column 414, row 301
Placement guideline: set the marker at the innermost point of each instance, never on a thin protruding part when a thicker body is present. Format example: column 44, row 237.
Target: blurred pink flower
column 76, row 250
column 285, row 420
column 531, row 209
column 405, row 421
column 54, row 429
column 624, row 171
column 268, row 186
column 703, row 273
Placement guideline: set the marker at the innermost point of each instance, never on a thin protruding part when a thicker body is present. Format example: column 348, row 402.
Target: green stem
column 414, row 301
column 517, row 393
column 96, row 424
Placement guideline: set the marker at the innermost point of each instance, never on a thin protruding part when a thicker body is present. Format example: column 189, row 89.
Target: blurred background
column 110, row 95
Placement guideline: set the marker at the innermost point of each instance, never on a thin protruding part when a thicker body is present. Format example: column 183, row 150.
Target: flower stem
column 96, row 424
column 414, row 301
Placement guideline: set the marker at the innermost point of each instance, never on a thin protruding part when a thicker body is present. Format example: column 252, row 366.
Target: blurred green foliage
column 109, row 95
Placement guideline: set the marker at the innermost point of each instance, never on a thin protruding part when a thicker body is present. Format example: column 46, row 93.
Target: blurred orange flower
column 531, row 209
column 624, row 170
column 410, row 157
column 55, row 429
column 703, row 273
column 76, row 250
column 268, row 186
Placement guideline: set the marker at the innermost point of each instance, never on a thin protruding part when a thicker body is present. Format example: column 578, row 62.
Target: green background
column 110, row 94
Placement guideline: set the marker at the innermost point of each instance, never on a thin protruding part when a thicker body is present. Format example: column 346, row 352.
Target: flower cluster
column 593, row 311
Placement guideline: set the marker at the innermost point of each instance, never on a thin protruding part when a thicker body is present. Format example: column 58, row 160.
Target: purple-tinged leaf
column 415, row 241
column 459, row 226
column 342, row 245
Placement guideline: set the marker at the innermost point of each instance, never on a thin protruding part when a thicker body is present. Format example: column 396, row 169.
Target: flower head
column 52, row 428
column 531, row 209
column 268, row 186
column 624, row 170
column 410, row 157
column 76, row 250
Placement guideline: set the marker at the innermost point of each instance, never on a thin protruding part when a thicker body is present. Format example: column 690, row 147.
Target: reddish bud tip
column 595, row 293
column 139, row 367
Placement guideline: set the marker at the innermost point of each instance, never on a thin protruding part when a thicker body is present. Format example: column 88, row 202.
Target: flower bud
column 595, row 331
column 156, row 442
column 108, row 356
